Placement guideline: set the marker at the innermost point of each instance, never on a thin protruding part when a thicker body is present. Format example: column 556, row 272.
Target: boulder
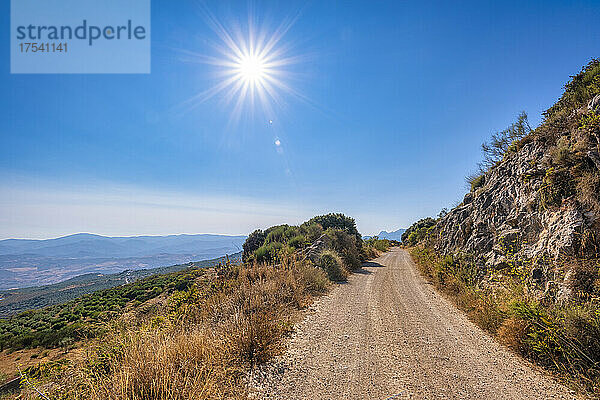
column 314, row 251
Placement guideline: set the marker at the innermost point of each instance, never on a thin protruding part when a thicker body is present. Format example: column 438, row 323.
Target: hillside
column 25, row 262
column 65, row 322
column 18, row 300
column 520, row 252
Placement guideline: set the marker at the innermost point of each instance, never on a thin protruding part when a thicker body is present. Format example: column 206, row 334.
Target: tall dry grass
column 564, row 338
column 201, row 347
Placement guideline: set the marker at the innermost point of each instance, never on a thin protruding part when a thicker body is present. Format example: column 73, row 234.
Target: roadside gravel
column 387, row 334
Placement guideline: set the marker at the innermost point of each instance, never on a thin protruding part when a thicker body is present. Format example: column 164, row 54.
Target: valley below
column 27, row 263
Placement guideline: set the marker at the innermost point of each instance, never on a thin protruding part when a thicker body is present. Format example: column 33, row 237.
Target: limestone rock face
column 594, row 104
column 533, row 217
column 505, row 217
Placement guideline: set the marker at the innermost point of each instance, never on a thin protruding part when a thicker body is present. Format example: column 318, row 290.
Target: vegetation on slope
column 62, row 325
column 500, row 144
column 571, row 131
column 15, row 301
column 283, row 240
column 564, row 338
column 417, row 231
column 557, row 327
column 573, row 168
column 200, row 341
column 374, row 244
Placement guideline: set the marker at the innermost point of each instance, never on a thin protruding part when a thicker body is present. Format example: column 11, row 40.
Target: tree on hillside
column 501, row 142
column 416, row 231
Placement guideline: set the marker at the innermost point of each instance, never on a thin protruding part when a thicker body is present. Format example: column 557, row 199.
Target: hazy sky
column 396, row 98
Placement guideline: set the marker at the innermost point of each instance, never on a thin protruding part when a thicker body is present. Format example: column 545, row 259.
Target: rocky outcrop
column 314, row 251
column 534, row 213
column 506, row 218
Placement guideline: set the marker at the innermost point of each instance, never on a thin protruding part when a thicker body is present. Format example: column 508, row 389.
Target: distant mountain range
column 395, row 235
column 29, row 262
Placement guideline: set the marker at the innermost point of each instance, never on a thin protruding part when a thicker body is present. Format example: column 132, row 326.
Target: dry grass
column 585, row 280
column 455, row 277
column 563, row 338
column 173, row 363
column 588, row 185
column 202, row 347
column 512, row 333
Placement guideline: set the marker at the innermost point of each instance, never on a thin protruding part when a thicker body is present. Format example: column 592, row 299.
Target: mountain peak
column 394, row 235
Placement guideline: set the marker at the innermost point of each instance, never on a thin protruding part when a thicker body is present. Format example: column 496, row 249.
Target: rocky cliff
column 539, row 204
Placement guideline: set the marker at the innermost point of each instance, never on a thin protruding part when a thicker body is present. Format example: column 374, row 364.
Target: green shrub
column 378, row 244
column 297, row 242
column 346, row 246
column 505, row 141
column 500, row 144
column 563, row 338
column 475, row 181
column 578, row 91
column 331, row 263
column 283, row 240
column 418, row 230
column 253, row 243
column 337, row 221
column 278, row 234
column 311, row 230
column 268, row 252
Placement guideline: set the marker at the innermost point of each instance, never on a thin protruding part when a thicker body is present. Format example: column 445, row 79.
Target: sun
column 251, row 66
column 252, row 69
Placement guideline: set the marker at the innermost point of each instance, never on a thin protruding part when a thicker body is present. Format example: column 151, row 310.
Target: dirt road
column 387, row 334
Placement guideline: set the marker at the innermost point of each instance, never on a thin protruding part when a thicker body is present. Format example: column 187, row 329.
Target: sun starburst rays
column 250, row 66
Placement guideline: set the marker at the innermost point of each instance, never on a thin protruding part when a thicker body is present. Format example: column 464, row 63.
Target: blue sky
column 400, row 97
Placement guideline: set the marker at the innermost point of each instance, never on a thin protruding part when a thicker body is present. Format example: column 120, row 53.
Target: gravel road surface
column 387, row 334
